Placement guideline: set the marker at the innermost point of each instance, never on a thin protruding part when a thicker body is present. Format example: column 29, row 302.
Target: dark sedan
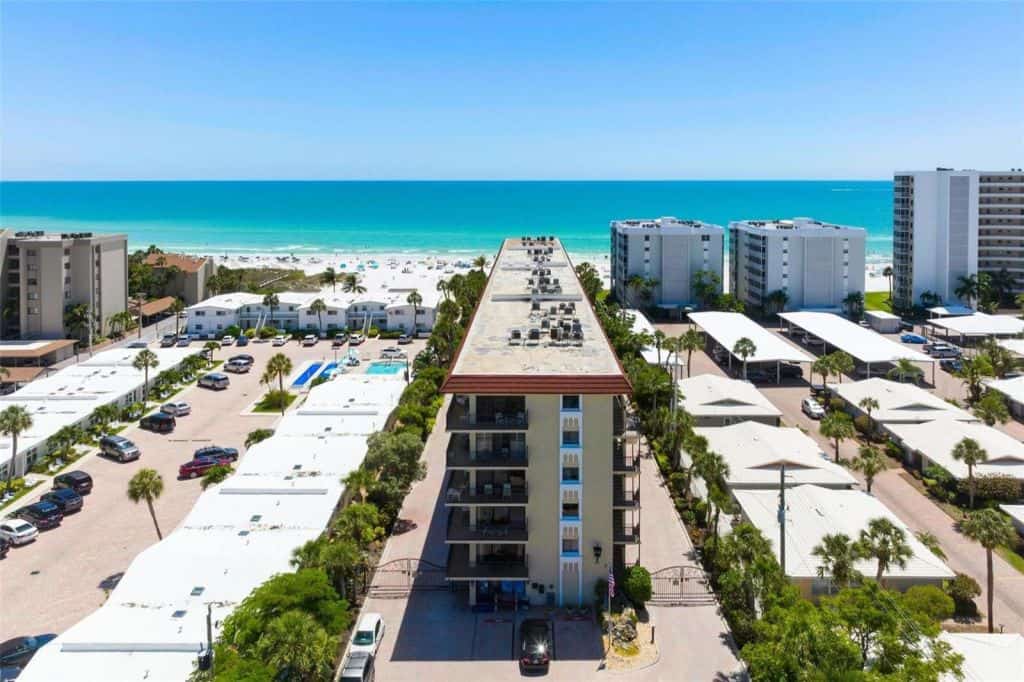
column 42, row 515
column 217, row 452
column 66, row 499
column 158, row 422
column 536, row 645
column 20, row 650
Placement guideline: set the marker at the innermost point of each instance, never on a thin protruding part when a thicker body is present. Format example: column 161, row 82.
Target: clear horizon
column 214, row 91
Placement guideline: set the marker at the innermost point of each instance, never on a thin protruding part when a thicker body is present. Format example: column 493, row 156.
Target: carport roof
column 863, row 344
column 728, row 328
column 980, row 324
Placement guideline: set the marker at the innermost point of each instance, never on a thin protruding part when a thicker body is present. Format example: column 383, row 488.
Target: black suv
column 5, row 547
column 66, row 499
column 119, row 448
column 217, row 452
column 536, row 645
column 158, row 422
column 42, row 515
column 79, row 481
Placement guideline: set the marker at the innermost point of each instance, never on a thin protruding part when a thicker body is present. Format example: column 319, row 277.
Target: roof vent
column 197, row 591
column 179, row 614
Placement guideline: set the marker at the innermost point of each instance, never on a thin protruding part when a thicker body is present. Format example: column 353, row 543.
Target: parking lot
column 52, row 583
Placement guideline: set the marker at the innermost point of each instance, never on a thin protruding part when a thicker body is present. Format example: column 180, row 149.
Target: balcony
column 460, row 419
column 461, row 530
column 460, row 455
column 458, row 492
column 490, row 567
column 623, row 463
column 625, row 499
column 626, row 535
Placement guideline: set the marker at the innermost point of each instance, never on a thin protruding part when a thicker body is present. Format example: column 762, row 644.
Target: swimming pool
column 385, row 367
column 329, row 370
column 307, row 374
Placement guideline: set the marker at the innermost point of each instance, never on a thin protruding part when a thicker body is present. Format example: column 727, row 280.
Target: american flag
column 611, row 584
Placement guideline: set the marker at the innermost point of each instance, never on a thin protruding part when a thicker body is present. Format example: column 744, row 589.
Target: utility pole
column 782, row 518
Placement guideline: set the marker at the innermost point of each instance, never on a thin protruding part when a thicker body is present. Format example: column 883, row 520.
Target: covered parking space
column 864, row 345
column 977, row 326
column 728, row 328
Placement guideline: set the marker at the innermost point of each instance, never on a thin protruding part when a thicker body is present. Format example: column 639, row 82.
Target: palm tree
column 78, row 320
column 414, row 299
column 14, row 421
column 854, row 304
column 990, row 529
column 992, row 409
column 704, row 284
column 176, row 309
column 837, row 426
column 330, row 276
column 319, row 307
column 973, row 372
column 650, row 284
column 970, row 452
column 350, row 284
column 442, row 288
column 744, row 348
column 841, row 363
column 838, row 554
column 904, row 368
column 931, row 542
column 776, row 301
column 144, row 361
column 211, row 347
column 63, row 442
column 887, row 273
column 147, row 485
column 690, row 341
column 886, row 543
column 278, row 367
column 659, row 340
column 868, row 404
column 967, row 289
column 480, row 262
column 104, row 415
column 822, row 366
column 636, row 283
column 870, row 463
column 271, row 301
column 359, row 481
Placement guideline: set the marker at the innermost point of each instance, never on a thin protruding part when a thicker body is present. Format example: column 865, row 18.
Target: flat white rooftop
column 936, row 440
column 710, row 395
column 665, row 224
column 1011, row 388
column 863, row 344
column 995, row 657
column 808, row 224
column 728, row 328
column 755, row 454
column 950, row 310
column 980, row 324
column 1015, row 346
column 899, row 402
column 812, row 512
column 642, row 325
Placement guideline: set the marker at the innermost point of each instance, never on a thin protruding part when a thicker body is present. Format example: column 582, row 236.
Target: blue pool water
column 385, row 367
column 307, row 374
column 329, row 369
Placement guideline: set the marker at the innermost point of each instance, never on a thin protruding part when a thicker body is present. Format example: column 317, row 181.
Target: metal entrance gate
column 680, row 585
column 399, row 577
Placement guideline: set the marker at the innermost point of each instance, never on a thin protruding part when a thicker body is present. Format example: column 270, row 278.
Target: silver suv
column 119, row 448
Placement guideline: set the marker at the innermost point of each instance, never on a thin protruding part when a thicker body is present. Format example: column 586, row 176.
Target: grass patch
column 877, row 300
column 272, row 402
column 18, row 495
column 1012, row 558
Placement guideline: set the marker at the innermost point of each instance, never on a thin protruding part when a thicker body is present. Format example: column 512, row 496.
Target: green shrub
column 962, row 590
column 321, row 379
column 233, row 330
column 993, row 487
column 929, row 601
column 836, row 404
column 637, row 585
column 268, row 332
column 677, row 483
column 390, row 334
column 374, row 332
column 862, row 424
column 940, row 476
column 893, row 449
column 250, row 332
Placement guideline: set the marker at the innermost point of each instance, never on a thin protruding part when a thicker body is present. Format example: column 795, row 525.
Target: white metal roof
column 1015, row 346
column 995, row 657
column 881, row 315
column 710, row 395
column 812, row 512
column 899, row 402
column 951, row 310
column 755, row 452
column 980, row 324
column 642, row 325
column 231, row 301
column 1011, row 388
column 864, row 344
column 936, row 440
column 728, row 328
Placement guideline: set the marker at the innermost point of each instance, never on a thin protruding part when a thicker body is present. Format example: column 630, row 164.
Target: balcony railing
column 626, row 535
column 461, row 455
column 625, row 499
column 459, row 418
column 461, row 530
column 623, row 463
column 493, row 567
column 457, row 492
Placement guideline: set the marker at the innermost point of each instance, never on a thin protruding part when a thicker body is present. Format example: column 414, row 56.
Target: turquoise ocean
column 421, row 217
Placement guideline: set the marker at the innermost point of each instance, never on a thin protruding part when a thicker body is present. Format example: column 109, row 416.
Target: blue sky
column 478, row 91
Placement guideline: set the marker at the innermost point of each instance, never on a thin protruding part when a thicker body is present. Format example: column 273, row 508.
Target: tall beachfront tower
column 949, row 224
column 541, row 494
column 667, row 250
column 817, row 264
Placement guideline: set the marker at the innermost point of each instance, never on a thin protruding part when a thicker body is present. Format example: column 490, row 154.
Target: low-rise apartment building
column 46, row 273
column 667, row 252
column 188, row 275
column 542, row 494
column 816, row 264
column 949, row 224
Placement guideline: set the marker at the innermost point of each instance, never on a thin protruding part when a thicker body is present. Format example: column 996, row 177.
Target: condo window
column 570, row 474
column 570, row 510
column 570, row 437
column 570, row 402
column 30, row 252
column 570, row 545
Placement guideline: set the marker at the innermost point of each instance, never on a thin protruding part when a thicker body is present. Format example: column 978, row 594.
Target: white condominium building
column 949, row 224
column 666, row 250
column 817, row 264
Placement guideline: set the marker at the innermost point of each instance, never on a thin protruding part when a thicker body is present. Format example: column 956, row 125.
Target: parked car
column 230, row 454
column 178, row 408
column 168, row 340
column 906, row 326
column 244, row 357
column 280, row 340
column 356, row 339
column 368, row 634
column 66, row 499
column 810, row 340
column 951, row 365
column 18, row 531
column 358, row 667
column 812, row 408
column 215, row 381
column 183, row 341
column 237, row 367
column 42, row 515
column 79, row 481
column 138, row 344
column 5, row 547
column 536, row 645
column 20, row 650
column 912, row 338
column 404, row 339
column 158, row 422
column 758, row 376
column 339, row 340
column 242, row 341
column 309, row 340
column 791, row 371
column 941, row 350
column 119, row 448
column 199, row 466
column 392, row 353
column 227, row 340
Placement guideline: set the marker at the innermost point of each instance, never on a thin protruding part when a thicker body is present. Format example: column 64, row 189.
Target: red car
column 200, row 465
